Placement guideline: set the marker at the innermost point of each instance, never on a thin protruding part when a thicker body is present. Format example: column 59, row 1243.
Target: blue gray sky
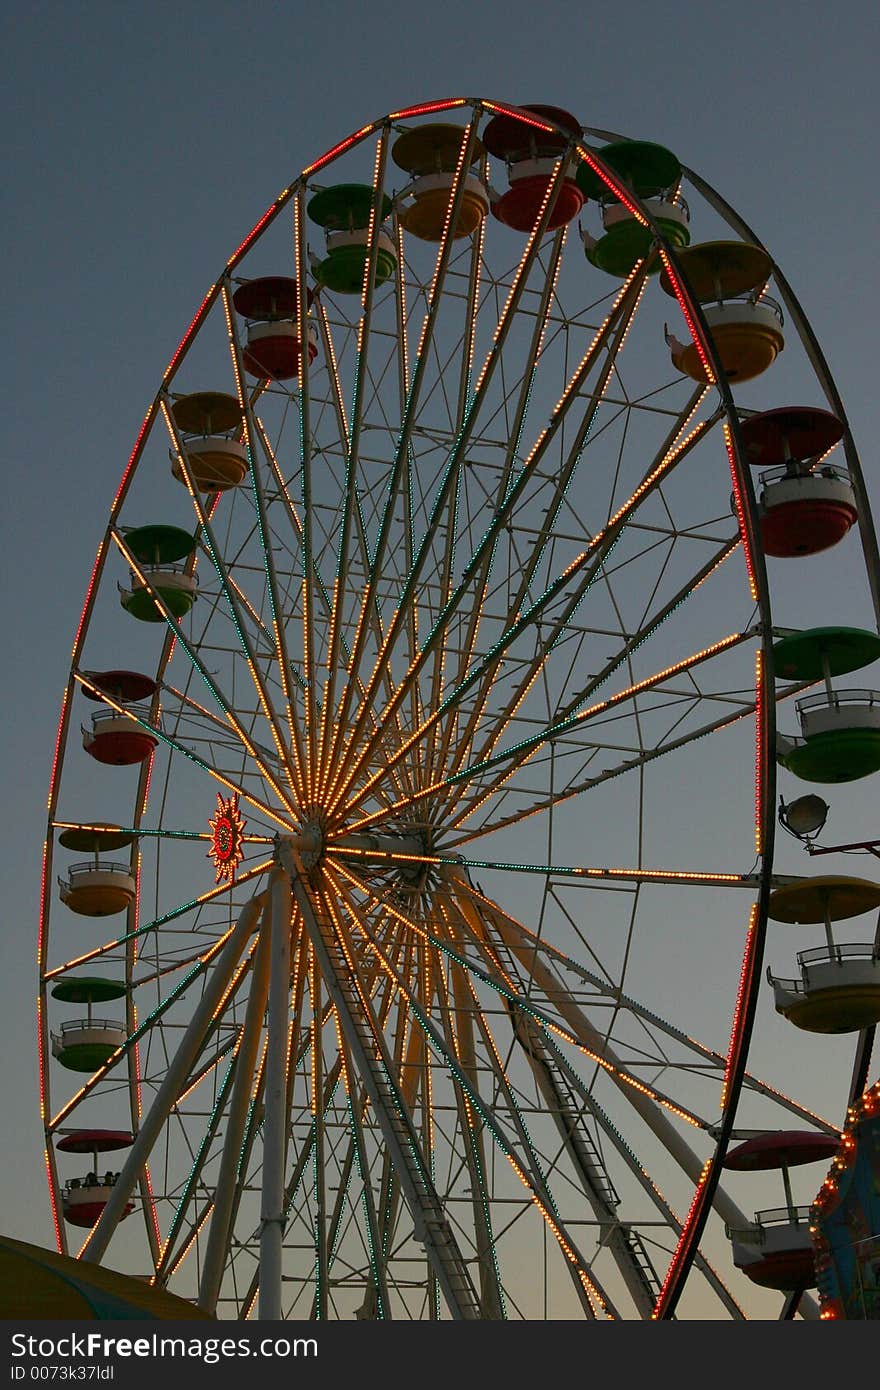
column 143, row 142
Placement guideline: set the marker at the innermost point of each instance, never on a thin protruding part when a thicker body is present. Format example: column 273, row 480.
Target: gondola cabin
column 532, row 154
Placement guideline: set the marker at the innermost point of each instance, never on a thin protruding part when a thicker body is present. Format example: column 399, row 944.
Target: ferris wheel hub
column 310, row 844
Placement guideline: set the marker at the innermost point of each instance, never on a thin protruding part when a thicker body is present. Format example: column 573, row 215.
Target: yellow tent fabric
column 40, row 1284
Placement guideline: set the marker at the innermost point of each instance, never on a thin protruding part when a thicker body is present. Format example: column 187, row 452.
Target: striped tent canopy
column 39, row 1284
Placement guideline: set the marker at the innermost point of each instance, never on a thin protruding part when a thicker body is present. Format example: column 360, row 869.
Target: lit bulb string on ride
column 817, row 359
column 352, row 449
column 482, row 558
column 297, row 525
column 866, row 527
column 122, row 490
column 552, row 1057
column 304, row 1158
column 608, row 341
column 172, row 1257
column 608, row 535
column 478, row 911
column 753, row 954
column 192, row 1082
column 593, row 555
column 296, row 772
column 528, row 1171
column 647, row 630
column 210, row 542
column 423, row 757
column 369, row 1047
column 141, row 796
column 336, row 788
column 517, row 756
column 140, row 804
column 301, row 953
column 429, row 758
column 305, row 443
column 521, row 752
column 477, row 242
column 199, row 968
column 399, row 468
column 529, row 255
column 178, row 1069
column 527, row 1005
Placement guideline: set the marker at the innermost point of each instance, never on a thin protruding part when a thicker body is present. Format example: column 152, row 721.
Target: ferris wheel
column 420, row 749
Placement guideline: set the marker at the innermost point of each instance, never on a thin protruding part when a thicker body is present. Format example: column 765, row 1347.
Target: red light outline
column 683, row 1240
column 227, row 856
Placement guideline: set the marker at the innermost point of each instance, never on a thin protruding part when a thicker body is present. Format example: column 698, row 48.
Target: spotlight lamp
column 803, row 818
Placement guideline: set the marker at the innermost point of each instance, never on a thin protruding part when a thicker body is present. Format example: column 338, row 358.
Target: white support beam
column 275, row 1119
column 175, row 1078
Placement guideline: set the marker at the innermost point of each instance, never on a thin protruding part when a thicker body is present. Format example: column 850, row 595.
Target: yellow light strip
column 206, row 767
column 575, row 565
column 412, row 925
column 118, row 942
column 294, row 772
column 232, row 721
column 554, row 183
column 190, row 1240
column 228, row 585
column 550, row 1220
column 442, row 254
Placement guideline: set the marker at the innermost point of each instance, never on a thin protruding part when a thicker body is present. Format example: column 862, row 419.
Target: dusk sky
column 144, row 141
